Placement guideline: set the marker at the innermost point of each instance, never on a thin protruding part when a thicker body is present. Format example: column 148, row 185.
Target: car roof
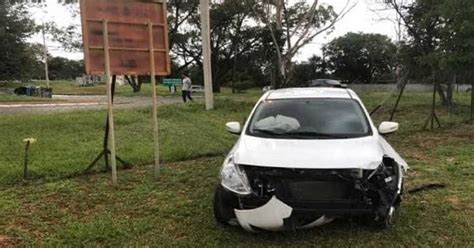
column 310, row 92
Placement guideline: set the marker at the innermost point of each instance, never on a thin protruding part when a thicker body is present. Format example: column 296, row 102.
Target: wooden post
column 206, row 51
column 109, row 102
column 154, row 105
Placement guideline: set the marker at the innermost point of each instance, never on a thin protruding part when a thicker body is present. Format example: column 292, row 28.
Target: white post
column 110, row 112
column 206, row 51
column 45, row 51
column 154, row 105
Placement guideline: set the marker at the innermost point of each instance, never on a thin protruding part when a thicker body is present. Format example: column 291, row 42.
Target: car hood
column 360, row 153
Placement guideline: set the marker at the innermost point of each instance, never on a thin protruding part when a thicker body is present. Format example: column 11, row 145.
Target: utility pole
column 206, row 52
column 45, row 50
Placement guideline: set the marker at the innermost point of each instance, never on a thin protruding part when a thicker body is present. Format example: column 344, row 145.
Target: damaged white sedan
column 305, row 157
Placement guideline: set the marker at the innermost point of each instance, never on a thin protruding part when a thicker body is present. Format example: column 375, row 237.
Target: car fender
column 390, row 152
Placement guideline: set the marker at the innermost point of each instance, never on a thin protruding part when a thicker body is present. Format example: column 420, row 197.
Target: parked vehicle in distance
column 267, row 88
column 197, row 88
column 325, row 83
column 306, row 156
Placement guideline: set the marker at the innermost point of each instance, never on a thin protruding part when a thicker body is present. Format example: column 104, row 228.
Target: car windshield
column 318, row 118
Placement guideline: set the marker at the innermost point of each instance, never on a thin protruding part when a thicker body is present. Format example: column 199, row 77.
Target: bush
column 242, row 86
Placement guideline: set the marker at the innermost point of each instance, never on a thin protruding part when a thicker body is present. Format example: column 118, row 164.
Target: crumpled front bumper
column 271, row 217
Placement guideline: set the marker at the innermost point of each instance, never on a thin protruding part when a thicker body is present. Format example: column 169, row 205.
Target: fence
column 409, row 87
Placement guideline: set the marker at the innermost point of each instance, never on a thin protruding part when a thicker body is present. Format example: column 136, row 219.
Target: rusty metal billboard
column 128, row 36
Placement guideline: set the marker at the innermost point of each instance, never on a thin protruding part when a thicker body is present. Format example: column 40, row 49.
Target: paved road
column 61, row 103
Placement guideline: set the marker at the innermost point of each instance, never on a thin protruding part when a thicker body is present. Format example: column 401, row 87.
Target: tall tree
column 303, row 72
column 457, row 42
column 361, row 57
column 297, row 23
column 16, row 58
column 422, row 52
column 64, row 69
column 233, row 36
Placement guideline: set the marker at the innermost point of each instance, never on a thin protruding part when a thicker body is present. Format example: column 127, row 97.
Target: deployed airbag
column 279, row 123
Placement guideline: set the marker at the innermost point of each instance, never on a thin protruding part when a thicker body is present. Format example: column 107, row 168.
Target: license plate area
column 317, row 190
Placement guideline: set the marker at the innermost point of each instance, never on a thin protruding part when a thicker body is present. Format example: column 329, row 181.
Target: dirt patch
column 454, row 201
column 6, row 241
column 446, row 137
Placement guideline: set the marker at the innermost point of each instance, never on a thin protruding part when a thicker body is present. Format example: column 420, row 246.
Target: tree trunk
column 442, row 95
column 472, row 102
column 233, row 75
column 280, row 72
column 449, row 91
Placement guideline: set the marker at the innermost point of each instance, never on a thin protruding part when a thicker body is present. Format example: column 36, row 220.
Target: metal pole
column 154, row 105
column 109, row 102
column 45, row 51
column 206, row 51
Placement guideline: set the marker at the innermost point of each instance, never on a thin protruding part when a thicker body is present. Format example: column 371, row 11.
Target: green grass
column 176, row 209
column 67, row 142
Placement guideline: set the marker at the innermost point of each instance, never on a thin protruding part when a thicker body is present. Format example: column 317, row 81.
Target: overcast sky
column 359, row 19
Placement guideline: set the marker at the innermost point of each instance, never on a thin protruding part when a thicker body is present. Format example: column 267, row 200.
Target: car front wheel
column 223, row 201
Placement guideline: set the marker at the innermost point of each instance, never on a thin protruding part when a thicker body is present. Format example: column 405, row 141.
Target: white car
column 197, row 88
column 267, row 88
column 305, row 157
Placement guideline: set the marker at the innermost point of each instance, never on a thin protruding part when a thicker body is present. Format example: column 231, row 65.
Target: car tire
column 223, row 211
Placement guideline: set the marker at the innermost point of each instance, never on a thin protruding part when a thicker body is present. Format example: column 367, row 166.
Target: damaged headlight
column 233, row 178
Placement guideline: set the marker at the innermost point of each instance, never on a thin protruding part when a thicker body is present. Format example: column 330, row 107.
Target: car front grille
column 301, row 184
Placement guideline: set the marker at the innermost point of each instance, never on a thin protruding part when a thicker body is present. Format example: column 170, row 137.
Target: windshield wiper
column 308, row 134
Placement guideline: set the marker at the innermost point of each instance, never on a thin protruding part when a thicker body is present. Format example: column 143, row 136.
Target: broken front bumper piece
column 271, row 217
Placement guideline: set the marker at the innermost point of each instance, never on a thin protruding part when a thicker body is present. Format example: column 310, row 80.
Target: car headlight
column 233, row 178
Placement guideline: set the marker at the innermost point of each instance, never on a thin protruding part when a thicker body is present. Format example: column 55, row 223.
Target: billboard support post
column 206, row 52
column 154, row 104
column 110, row 111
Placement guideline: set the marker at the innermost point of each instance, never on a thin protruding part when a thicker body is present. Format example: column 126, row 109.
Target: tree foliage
column 65, row 69
column 358, row 57
column 234, row 38
column 296, row 23
column 17, row 57
column 440, row 39
column 303, row 72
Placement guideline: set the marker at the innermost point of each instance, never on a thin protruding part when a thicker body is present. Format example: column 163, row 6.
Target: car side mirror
column 233, row 127
column 387, row 127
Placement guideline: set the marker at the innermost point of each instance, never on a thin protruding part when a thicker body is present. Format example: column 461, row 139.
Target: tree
column 64, row 69
column 361, row 57
column 234, row 36
column 17, row 57
column 303, row 72
column 297, row 24
column 440, row 40
column 457, row 43
column 422, row 51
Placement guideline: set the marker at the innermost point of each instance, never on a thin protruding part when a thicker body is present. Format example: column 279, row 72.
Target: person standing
column 186, row 88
